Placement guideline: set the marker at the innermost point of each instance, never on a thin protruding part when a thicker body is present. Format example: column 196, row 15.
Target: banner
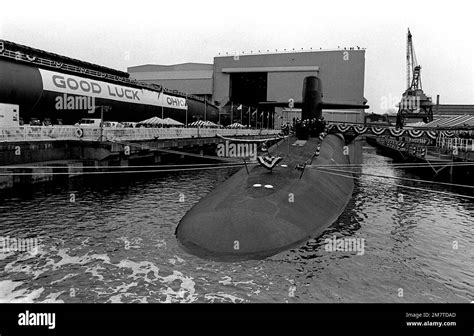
column 70, row 84
column 171, row 101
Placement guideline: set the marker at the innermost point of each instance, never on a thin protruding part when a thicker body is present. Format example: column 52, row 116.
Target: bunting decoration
column 396, row 133
column 268, row 162
column 401, row 146
column 318, row 149
column 377, row 130
column 343, row 128
column 415, row 133
column 448, row 134
column 360, row 129
column 431, row 134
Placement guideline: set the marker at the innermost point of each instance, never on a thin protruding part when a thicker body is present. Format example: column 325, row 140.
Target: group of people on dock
column 304, row 129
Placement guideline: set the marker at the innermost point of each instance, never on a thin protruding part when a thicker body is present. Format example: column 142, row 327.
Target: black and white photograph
column 237, row 153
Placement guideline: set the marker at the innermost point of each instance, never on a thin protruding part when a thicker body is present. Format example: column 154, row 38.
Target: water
column 110, row 239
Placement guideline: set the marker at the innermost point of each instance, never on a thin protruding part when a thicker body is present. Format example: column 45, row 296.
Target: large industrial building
column 451, row 110
column 192, row 78
column 240, row 82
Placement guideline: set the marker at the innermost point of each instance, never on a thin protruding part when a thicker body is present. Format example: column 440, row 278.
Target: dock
column 33, row 154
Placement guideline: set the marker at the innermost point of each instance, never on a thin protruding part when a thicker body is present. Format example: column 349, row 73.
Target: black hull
column 237, row 221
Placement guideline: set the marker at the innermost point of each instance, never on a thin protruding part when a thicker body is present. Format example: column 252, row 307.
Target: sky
column 120, row 34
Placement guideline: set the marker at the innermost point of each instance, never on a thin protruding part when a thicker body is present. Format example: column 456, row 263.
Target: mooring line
column 120, row 172
column 400, row 178
column 400, row 185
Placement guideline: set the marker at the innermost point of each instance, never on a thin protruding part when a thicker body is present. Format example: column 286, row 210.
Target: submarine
column 281, row 202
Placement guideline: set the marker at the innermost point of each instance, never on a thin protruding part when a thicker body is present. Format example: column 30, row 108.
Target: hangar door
column 248, row 88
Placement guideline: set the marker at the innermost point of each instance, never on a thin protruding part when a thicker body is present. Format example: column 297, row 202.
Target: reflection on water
column 110, row 239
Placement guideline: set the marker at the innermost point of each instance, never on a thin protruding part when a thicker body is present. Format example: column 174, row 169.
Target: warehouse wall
column 341, row 71
column 285, row 85
column 192, row 78
column 191, row 86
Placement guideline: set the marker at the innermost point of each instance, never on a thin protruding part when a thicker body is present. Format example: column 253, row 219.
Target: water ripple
column 112, row 240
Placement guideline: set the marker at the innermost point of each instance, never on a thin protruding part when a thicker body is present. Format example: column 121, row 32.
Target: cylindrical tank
column 42, row 93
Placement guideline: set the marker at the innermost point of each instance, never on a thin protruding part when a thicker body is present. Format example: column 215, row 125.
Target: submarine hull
column 240, row 220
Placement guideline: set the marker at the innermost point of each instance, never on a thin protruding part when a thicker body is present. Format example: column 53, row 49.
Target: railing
column 285, row 51
column 41, row 133
column 22, row 56
column 413, row 149
column 466, row 145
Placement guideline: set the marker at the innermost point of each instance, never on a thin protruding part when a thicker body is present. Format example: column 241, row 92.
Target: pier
column 447, row 152
column 32, row 154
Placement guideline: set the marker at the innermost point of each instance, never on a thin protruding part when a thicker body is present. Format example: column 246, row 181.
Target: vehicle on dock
column 115, row 124
column 35, row 122
column 9, row 115
column 129, row 124
column 88, row 122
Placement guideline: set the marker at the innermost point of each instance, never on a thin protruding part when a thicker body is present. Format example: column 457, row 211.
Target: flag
column 240, row 107
column 254, row 112
column 248, row 110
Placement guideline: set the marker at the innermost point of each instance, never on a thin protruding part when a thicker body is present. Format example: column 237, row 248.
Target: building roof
column 60, row 58
column 263, row 52
column 459, row 121
column 173, row 67
column 453, row 109
column 185, row 71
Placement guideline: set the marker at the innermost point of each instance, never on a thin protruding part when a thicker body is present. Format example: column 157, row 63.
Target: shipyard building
column 239, row 82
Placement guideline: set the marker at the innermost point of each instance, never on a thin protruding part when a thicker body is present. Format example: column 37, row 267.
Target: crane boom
column 413, row 69
column 409, row 44
column 414, row 103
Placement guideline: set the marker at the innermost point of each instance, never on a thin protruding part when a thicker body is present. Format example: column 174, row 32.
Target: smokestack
column 437, row 104
column 311, row 98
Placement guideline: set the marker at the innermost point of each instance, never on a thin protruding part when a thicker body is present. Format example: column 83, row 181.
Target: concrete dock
column 30, row 154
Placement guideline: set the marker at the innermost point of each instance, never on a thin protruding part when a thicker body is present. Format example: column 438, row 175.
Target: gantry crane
column 414, row 102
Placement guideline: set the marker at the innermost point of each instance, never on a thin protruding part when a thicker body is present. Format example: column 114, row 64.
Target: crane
column 414, row 103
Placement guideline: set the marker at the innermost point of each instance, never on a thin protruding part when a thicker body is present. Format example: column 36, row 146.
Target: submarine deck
column 243, row 219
